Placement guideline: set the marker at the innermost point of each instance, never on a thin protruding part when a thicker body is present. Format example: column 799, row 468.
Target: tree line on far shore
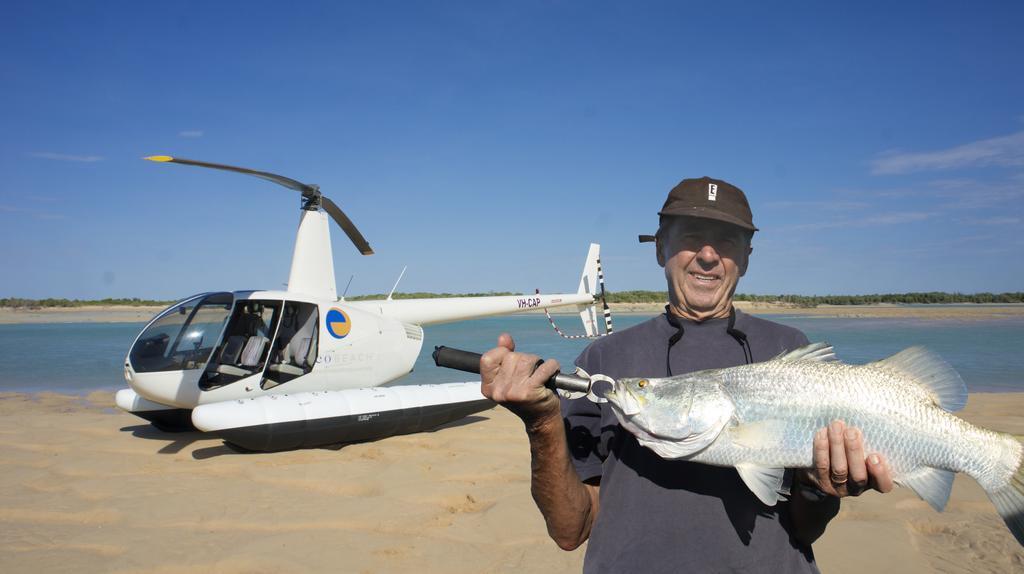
column 931, row 297
column 934, row 297
column 19, row 302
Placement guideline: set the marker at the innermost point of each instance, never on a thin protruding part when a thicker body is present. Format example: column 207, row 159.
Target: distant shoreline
column 961, row 311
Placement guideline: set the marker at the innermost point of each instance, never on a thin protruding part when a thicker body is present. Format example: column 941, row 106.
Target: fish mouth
column 624, row 401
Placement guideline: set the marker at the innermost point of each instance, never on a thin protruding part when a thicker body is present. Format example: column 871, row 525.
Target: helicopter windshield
column 182, row 337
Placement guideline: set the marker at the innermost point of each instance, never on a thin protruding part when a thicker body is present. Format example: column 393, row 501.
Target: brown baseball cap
column 710, row 199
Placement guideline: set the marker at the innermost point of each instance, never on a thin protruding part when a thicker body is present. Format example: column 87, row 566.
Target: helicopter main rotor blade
column 346, row 225
column 304, row 189
column 310, row 192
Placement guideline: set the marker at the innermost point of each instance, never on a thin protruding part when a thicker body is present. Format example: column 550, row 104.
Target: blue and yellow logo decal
column 338, row 323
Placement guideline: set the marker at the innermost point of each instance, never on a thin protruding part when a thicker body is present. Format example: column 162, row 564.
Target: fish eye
column 641, row 383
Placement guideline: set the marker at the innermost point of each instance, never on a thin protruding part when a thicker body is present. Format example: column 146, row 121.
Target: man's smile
column 705, row 278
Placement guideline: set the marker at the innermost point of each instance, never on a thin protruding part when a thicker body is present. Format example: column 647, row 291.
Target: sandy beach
column 87, row 488
column 126, row 314
column 88, row 314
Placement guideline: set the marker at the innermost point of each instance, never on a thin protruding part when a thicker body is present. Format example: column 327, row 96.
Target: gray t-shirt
column 660, row 515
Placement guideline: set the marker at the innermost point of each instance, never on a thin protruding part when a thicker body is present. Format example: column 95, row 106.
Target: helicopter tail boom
column 446, row 310
column 450, row 309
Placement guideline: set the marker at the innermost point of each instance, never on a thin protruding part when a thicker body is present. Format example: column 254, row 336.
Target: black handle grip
column 457, row 359
column 470, row 362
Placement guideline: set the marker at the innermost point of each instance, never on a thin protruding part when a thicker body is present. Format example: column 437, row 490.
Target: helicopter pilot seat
column 242, row 351
column 232, row 350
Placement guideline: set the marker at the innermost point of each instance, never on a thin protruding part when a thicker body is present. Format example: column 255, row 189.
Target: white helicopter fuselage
column 195, row 352
column 287, row 365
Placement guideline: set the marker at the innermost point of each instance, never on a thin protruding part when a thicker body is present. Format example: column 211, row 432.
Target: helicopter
column 303, row 367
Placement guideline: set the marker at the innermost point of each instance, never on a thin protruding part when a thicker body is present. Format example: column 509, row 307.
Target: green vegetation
column 419, row 295
column 636, row 296
column 813, row 300
column 930, row 297
column 36, row 303
column 613, row 297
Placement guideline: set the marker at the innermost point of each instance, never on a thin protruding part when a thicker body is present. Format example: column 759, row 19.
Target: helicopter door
column 245, row 346
column 295, row 348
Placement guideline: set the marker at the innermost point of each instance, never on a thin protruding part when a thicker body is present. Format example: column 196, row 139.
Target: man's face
column 703, row 260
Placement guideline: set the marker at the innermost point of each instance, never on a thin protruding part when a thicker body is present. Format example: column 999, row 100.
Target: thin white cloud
column 34, row 213
column 952, row 243
column 1000, row 196
column 838, row 205
column 1005, row 151
column 191, row 133
column 959, row 194
column 66, row 157
column 894, row 218
column 997, row 220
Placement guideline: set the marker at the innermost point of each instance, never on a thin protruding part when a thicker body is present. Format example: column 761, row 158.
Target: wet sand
column 87, row 488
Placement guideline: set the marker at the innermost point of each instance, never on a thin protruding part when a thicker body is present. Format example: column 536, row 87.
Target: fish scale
column 762, row 418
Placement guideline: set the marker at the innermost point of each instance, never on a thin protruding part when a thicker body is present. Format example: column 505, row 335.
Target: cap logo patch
column 712, row 192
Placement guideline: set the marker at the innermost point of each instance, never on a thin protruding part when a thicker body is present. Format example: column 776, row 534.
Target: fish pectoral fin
column 931, row 372
column 765, row 482
column 767, row 433
column 933, row 485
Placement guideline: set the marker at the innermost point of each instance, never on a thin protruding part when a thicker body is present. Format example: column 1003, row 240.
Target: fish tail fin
column 1009, row 501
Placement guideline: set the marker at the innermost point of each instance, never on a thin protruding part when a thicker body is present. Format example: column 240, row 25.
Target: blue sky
column 485, row 145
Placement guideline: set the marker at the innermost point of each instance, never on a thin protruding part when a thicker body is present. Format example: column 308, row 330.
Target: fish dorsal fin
column 933, row 485
column 765, row 482
column 931, row 372
column 814, row 352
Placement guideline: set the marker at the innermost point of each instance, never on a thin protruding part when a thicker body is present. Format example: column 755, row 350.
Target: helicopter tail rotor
column 311, row 193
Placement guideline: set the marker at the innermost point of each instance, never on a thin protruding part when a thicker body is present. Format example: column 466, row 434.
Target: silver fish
column 761, row 419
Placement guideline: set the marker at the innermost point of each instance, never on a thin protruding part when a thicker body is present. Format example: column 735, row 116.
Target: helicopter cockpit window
column 245, row 345
column 295, row 348
column 183, row 336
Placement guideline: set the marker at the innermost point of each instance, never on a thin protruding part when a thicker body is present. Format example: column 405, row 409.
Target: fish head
column 673, row 408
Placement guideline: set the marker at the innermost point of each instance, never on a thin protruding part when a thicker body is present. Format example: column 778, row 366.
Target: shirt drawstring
column 740, row 336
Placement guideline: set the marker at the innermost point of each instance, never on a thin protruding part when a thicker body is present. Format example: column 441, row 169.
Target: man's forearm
column 569, row 506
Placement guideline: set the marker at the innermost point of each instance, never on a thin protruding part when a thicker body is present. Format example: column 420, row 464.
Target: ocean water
column 81, row 357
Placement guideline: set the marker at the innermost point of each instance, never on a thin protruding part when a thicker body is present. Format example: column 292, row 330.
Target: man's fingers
column 491, row 361
column 821, row 459
column 505, row 340
column 839, row 474
column 526, row 383
column 854, row 448
column 879, row 471
column 546, row 370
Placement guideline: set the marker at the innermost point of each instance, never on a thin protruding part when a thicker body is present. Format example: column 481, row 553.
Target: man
column 590, row 477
